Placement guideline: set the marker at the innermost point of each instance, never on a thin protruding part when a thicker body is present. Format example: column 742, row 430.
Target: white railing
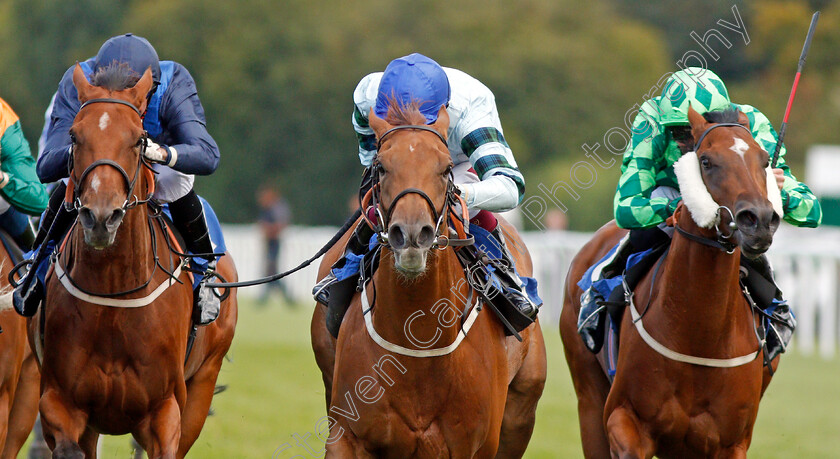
column 806, row 264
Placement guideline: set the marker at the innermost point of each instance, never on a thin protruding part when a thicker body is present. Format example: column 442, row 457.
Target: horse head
column 107, row 131
column 729, row 183
column 413, row 171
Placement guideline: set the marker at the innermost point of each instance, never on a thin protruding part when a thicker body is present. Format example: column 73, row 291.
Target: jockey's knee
column 171, row 185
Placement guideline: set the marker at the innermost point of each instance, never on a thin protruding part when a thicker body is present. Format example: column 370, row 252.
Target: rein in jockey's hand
column 780, row 177
column 156, row 153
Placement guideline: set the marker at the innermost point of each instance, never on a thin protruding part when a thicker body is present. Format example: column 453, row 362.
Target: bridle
column 130, row 183
column 723, row 241
column 451, row 199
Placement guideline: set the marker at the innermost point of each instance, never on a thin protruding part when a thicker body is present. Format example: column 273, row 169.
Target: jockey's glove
column 160, row 154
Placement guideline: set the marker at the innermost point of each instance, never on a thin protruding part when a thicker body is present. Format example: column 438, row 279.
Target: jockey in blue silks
column 485, row 170
column 179, row 146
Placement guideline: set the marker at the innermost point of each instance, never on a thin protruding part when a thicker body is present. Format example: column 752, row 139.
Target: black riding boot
column 767, row 296
column 188, row 217
column 356, row 245
column 57, row 220
column 512, row 287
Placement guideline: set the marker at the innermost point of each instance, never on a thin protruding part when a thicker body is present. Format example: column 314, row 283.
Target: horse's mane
column 116, row 76
column 729, row 115
column 400, row 115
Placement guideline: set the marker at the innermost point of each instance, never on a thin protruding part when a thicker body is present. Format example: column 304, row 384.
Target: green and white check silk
column 474, row 134
column 649, row 163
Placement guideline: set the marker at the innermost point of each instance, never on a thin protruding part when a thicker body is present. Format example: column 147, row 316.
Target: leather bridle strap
column 409, row 126
column 112, row 101
column 728, row 248
column 715, row 126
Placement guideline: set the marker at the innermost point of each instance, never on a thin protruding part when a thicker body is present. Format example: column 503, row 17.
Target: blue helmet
column 135, row 51
column 414, row 77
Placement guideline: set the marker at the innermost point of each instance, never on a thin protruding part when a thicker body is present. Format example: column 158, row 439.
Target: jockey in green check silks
column 648, row 193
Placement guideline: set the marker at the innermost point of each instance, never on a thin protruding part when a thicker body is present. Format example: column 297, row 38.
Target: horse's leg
column 323, row 344
column 627, row 440
column 159, row 433
column 346, row 445
column 89, row 442
column 7, row 393
column 767, row 376
column 24, row 408
column 200, row 390
column 523, row 394
column 63, row 425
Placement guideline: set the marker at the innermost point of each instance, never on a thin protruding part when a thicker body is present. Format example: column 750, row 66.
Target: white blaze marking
column 740, row 147
column 104, row 121
column 411, row 148
column 94, row 183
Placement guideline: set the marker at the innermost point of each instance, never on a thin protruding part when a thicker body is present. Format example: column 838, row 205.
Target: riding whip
column 802, row 56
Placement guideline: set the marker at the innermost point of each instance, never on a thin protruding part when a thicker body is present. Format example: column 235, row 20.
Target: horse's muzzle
column 100, row 227
column 756, row 226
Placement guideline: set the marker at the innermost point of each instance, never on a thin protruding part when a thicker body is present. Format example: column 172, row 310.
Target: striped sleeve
column 484, row 143
column 634, row 208
column 364, row 98
column 798, row 201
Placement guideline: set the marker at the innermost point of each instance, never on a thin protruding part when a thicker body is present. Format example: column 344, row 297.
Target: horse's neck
column 125, row 264
column 398, row 300
column 699, row 284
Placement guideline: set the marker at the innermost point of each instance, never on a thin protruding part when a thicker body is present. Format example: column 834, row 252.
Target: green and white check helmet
column 697, row 86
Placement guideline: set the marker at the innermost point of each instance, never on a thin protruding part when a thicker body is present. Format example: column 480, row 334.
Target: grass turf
column 275, row 398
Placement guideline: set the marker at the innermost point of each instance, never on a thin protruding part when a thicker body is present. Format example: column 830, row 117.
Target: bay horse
column 689, row 376
column 114, row 346
column 410, row 378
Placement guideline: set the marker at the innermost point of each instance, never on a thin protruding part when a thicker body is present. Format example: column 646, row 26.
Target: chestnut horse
column 697, row 393
column 403, row 385
column 18, row 372
column 114, row 362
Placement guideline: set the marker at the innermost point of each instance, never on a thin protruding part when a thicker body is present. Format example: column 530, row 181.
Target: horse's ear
column 743, row 120
column 698, row 123
column 378, row 125
column 81, row 84
column 442, row 123
column 140, row 90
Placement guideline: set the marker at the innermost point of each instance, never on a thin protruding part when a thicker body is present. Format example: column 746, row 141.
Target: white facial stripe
column 94, row 182
column 411, row 148
column 740, row 147
column 104, row 120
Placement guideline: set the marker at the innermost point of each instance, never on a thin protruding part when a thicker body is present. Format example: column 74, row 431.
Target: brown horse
column 114, row 364
column 697, row 393
column 410, row 379
column 18, row 374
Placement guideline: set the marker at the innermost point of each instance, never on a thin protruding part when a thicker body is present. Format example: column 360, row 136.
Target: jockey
column 21, row 193
column 179, row 146
column 648, row 193
column 485, row 171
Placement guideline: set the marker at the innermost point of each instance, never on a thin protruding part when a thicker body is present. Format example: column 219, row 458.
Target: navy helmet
column 135, row 51
column 414, row 78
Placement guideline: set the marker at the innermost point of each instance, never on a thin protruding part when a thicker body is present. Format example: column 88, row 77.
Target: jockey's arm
column 19, row 183
column 634, row 208
column 798, row 201
column 52, row 162
column 182, row 116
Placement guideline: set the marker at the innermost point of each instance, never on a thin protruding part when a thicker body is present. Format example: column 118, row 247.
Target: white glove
column 157, row 154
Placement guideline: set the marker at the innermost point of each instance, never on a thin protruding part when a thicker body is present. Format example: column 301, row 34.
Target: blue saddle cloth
column 483, row 240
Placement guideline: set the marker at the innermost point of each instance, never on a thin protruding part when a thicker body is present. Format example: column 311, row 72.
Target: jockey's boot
column 188, row 217
column 780, row 322
column 357, row 245
column 512, row 285
column 592, row 317
column 56, row 221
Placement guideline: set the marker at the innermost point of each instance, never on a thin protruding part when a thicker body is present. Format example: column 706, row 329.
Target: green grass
column 275, row 391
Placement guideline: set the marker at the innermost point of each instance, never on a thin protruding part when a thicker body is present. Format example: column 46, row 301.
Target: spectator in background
column 275, row 215
column 556, row 220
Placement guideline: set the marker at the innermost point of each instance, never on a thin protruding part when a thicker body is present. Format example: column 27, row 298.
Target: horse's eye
column 706, row 163
column 73, row 138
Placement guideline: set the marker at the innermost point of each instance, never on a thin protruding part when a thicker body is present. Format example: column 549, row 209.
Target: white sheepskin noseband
column 696, row 197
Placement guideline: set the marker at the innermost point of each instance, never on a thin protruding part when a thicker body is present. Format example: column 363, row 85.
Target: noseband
column 451, row 198
column 130, row 182
column 723, row 242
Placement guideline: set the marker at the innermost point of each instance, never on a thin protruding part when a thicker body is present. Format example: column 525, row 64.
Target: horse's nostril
column 115, row 219
column 396, row 236
column 746, row 219
column 86, row 218
column 426, row 236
